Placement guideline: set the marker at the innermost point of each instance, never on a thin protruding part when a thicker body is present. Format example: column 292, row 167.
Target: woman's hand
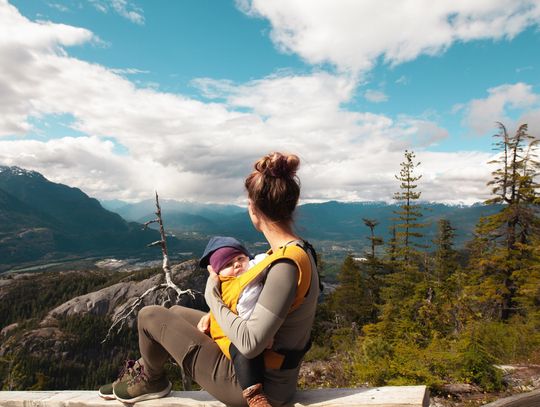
column 204, row 324
column 212, row 273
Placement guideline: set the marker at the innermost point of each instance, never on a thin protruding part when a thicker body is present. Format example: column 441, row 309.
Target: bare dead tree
column 168, row 289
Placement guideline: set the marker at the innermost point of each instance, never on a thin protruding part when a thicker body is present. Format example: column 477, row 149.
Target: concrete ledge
column 390, row 396
column 530, row 399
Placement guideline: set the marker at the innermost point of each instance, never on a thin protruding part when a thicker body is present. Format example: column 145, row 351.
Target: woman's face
column 253, row 215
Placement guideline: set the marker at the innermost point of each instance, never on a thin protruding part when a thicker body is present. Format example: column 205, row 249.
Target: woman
column 273, row 192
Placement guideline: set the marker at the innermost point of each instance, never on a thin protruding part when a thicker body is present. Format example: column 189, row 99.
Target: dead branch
column 167, row 288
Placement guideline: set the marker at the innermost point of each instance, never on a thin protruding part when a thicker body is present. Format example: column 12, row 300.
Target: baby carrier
column 232, row 287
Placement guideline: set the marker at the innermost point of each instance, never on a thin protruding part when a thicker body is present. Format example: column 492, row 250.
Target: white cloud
column 128, row 71
column 532, row 119
column 375, row 96
column 422, row 133
column 122, row 8
column 403, row 80
column 188, row 149
column 352, row 34
column 483, row 113
column 59, row 7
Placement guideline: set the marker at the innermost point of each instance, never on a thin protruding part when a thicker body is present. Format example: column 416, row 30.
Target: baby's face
column 235, row 267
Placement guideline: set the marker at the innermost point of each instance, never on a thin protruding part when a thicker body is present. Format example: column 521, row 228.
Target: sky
column 124, row 97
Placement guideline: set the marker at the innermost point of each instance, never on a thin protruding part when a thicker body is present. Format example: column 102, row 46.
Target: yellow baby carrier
column 232, row 287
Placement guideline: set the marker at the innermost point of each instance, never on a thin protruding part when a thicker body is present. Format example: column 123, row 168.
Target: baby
column 229, row 258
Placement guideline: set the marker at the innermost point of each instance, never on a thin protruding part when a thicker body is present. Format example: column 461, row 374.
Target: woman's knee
column 150, row 312
column 190, row 315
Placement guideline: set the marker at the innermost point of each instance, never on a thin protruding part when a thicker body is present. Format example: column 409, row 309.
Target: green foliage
column 318, row 353
column 445, row 316
column 477, row 364
column 506, row 243
column 512, row 342
column 402, row 363
column 408, row 228
column 351, row 301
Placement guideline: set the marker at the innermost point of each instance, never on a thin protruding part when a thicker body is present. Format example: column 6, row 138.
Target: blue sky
column 121, row 97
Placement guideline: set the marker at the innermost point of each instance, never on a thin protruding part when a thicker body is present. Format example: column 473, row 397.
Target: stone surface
column 391, row 396
column 530, row 399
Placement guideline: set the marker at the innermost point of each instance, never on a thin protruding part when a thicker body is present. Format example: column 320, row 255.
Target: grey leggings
column 173, row 331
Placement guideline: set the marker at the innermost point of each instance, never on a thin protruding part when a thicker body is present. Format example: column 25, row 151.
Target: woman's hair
column 273, row 186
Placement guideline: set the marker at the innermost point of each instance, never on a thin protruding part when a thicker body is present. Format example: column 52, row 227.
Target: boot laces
column 139, row 375
column 128, row 367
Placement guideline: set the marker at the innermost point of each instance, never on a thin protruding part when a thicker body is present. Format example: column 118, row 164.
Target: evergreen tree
column 445, row 256
column 505, row 251
column 448, row 281
column 374, row 240
column 408, row 226
column 374, row 269
column 406, row 294
column 350, row 300
column 391, row 248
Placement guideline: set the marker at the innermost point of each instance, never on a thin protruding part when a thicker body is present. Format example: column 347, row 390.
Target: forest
column 404, row 313
column 412, row 314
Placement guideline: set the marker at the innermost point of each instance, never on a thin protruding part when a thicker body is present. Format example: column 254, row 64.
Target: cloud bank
column 353, row 34
column 128, row 141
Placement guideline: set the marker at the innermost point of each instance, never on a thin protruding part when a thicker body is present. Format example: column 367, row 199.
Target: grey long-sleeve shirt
column 271, row 320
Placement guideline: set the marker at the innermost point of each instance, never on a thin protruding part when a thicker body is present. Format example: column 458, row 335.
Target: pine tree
column 506, row 254
column 408, row 226
column 350, row 300
column 406, row 295
column 445, row 256
column 448, row 281
column 374, row 269
column 374, row 240
column 391, row 247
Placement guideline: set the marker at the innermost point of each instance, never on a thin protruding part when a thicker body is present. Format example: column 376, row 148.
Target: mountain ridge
column 43, row 220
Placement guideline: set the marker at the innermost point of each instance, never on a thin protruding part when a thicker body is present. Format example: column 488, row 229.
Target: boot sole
column 147, row 396
column 107, row 396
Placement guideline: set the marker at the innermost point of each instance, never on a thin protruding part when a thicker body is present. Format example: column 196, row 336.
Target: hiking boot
column 128, row 371
column 255, row 396
column 141, row 387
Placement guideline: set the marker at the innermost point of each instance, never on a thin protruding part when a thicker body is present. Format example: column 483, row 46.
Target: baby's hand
column 269, row 346
column 204, row 324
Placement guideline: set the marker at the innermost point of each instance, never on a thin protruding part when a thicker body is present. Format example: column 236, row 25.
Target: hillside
column 52, row 324
column 42, row 221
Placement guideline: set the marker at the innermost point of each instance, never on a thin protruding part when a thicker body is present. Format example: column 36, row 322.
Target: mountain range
column 332, row 221
column 41, row 221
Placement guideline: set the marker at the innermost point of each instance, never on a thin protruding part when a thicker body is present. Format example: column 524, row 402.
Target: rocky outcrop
column 114, row 299
column 50, row 339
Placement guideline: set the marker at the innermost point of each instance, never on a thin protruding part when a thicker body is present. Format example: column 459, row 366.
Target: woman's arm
column 252, row 336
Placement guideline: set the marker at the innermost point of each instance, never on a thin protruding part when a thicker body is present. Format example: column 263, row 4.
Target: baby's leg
column 248, row 371
column 250, row 375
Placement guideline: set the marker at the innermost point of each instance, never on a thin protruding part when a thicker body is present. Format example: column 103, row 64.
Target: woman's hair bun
column 273, row 187
column 278, row 165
